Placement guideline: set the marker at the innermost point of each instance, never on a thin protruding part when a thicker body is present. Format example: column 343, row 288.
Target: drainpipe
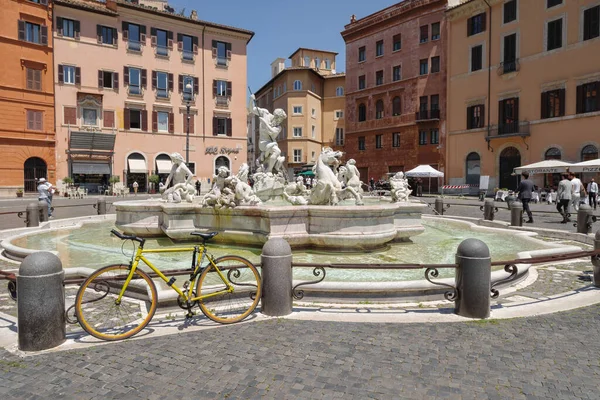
column 489, row 77
column 203, row 89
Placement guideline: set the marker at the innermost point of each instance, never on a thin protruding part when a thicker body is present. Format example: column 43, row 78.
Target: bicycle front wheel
column 232, row 297
column 102, row 316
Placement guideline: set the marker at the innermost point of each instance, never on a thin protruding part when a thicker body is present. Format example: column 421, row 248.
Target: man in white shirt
column 577, row 188
column 592, row 189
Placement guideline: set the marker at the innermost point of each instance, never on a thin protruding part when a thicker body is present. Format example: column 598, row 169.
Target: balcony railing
column 134, row 45
column 222, row 101
column 515, row 128
column 162, row 50
column 508, row 67
column 188, row 55
column 221, row 61
column 425, row 115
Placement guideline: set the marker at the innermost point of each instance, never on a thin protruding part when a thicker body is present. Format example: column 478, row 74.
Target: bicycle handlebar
column 127, row 237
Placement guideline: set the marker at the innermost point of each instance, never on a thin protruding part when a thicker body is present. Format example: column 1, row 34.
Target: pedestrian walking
column 45, row 192
column 592, row 189
column 135, row 187
column 419, row 187
column 577, row 188
column 525, row 193
column 198, row 187
column 563, row 197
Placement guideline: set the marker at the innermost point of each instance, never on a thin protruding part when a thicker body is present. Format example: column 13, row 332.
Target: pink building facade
column 125, row 77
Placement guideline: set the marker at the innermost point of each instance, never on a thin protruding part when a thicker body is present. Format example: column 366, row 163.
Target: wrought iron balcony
column 515, row 128
column 508, row 67
column 426, row 115
column 222, row 101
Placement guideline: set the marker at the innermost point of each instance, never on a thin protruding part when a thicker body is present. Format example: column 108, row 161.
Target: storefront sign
column 223, row 150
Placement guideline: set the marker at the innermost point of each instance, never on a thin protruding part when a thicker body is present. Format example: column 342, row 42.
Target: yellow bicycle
column 118, row 301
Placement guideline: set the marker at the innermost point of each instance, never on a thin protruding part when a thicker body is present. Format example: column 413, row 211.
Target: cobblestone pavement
column 551, row 357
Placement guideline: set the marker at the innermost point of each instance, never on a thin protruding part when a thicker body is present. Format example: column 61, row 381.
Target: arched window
column 339, row 91
column 473, row 169
column 137, row 171
column 317, row 63
column 307, row 61
column 589, row 152
column 297, row 85
column 396, row 106
column 379, row 109
column 327, row 63
column 362, row 112
column 552, row 154
column 221, row 161
column 552, row 179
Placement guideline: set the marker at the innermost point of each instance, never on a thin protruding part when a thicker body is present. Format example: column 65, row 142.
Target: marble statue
column 400, row 189
column 230, row 191
column 295, row 193
column 244, row 195
column 211, row 198
column 353, row 176
column 328, row 189
column 181, row 177
column 269, row 129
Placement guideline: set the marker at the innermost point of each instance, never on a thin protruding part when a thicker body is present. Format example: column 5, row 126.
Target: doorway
column 34, row 169
column 510, row 158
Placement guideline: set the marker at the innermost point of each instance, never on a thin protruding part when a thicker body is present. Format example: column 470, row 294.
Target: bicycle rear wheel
column 97, row 309
column 229, row 307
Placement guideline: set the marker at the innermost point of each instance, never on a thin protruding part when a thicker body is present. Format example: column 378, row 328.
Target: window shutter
column 171, row 123
column 579, row 107
column 215, row 125
column 170, row 39
column 30, row 78
column 179, row 42
column 115, row 77
column 543, row 111
column 483, row 21
column 561, row 99
column 44, row 35
column 170, row 83
column 99, row 33
column 214, row 87
column 191, row 123
column 77, row 75
column 501, row 112
column 143, row 34
column 144, row 79
column 195, row 44
column 154, row 121
column 228, row 48
column 115, row 36
column 153, row 80
column 229, row 127
column 39, row 119
column 144, row 115
column 21, row 25
column 482, row 119
column 100, row 78
column 152, row 31
column 153, row 36
column 228, row 89
column 44, row 2
column 195, row 85
column 516, row 113
column 61, row 75
column 76, row 29
column 469, row 117
column 59, row 26
column 125, row 76
column 469, row 30
column 126, row 124
column 125, row 29
column 214, row 48
column 180, row 84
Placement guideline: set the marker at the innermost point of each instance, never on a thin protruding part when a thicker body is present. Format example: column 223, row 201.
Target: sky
column 281, row 27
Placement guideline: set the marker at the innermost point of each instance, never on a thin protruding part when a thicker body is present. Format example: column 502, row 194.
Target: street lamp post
column 190, row 89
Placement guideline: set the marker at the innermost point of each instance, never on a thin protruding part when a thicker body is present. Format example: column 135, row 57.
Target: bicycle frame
column 197, row 269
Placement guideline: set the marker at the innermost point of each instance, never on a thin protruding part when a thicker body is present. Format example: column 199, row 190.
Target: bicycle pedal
column 189, row 315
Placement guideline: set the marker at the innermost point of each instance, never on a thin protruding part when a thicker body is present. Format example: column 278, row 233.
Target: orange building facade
column 27, row 139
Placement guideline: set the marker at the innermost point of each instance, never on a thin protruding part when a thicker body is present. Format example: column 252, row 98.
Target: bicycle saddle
column 205, row 236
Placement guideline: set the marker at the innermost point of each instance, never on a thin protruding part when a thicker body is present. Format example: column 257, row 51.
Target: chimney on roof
column 194, row 15
column 353, row 19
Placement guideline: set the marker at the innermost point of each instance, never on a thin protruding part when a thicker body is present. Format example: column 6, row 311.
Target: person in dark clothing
column 198, row 187
column 525, row 191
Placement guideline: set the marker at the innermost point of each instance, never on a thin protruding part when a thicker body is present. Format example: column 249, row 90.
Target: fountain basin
column 343, row 227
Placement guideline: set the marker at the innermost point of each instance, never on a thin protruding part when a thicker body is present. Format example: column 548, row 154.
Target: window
column 435, row 64
column 554, row 34
column 424, row 34
column 221, row 88
column 379, row 109
column 108, row 118
column 435, row 31
column 435, row 104
column 362, row 82
column 423, row 103
column 134, row 37
column 422, row 137
column 313, row 131
column 297, row 155
column 284, row 87
column 379, row 78
column 68, row 27
column 379, row 48
column 34, row 120
column 313, row 113
column 396, row 106
column 221, row 51
column 34, row 79
column 70, row 115
column 162, row 121
column 591, row 23
column 297, row 110
column 68, row 74
column 396, row 73
column 475, row 116
column 434, row 136
column 423, row 66
column 297, row 131
column 327, row 63
column 589, row 152
column 162, row 85
column 317, row 63
column 135, row 119
column 587, row 97
column 508, row 116
column 339, row 91
column 476, row 24
column 339, row 114
column 90, row 116
column 339, row 136
column 188, row 88
column 510, row 11
column 135, row 83
column 31, row 32
column 397, row 42
column 473, row 169
column 476, row 58
column 222, row 126
column 552, row 3
column 107, row 35
column 187, row 47
column 362, row 113
column 510, row 53
column 307, row 61
column 162, row 42
column 396, row 139
column 378, row 141
column 361, row 143
column 362, row 54
column 553, row 103
column 297, row 85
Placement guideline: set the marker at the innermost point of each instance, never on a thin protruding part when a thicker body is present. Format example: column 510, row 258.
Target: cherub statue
column 181, row 176
column 400, row 189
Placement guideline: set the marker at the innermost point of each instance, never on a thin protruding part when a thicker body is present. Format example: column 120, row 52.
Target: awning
column 586, row 166
column 307, row 173
column 544, row 167
column 91, row 168
column 163, row 166
column 137, row 166
column 424, row 171
column 94, row 141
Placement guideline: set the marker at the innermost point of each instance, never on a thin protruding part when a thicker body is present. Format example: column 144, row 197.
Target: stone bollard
column 439, row 206
column 596, row 261
column 516, row 213
column 473, row 279
column 510, row 199
column 43, row 207
column 585, row 217
column 33, row 215
column 101, row 206
column 489, row 209
column 41, row 302
column 276, row 261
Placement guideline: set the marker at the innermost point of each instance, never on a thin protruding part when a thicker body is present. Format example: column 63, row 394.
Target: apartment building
column 396, row 88
column 135, row 83
column 26, row 95
column 312, row 95
column 523, row 84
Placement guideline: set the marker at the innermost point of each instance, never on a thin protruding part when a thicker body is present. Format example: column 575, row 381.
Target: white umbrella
column 586, row 166
column 545, row 167
column 425, row 171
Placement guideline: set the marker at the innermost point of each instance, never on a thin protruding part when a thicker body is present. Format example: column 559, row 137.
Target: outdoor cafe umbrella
column 307, row 173
column 586, row 166
column 545, row 167
column 425, row 171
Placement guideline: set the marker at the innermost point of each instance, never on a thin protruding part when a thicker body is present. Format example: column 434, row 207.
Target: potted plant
column 19, row 192
column 153, row 179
